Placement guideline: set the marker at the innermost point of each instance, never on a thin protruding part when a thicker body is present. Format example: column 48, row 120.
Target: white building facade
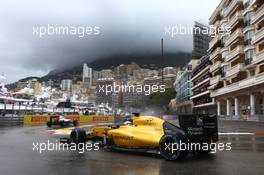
column 87, row 76
column 66, row 85
column 237, row 81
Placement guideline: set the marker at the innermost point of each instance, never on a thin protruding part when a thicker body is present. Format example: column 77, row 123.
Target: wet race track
column 17, row 156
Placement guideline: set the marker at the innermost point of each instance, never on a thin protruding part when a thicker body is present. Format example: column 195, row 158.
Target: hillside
column 145, row 61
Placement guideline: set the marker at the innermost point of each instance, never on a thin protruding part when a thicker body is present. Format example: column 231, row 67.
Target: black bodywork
column 199, row 128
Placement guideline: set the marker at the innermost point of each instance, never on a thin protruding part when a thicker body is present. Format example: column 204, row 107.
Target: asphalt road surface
column 17, row 156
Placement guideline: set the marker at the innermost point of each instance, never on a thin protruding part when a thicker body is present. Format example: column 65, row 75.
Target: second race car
column 60, row 120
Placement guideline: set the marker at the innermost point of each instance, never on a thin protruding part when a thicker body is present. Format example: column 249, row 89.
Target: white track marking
column 236, row 133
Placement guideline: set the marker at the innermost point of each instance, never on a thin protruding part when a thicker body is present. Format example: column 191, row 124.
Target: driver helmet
column 128, row 123
column 61, row 117
column 127, row 114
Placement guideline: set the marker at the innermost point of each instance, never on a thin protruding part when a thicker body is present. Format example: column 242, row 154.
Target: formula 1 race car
column 149, row 133
column 61, row 121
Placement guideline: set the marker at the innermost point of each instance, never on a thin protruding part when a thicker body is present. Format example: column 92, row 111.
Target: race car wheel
column 169, row 147
column 49, row 124
column 110, row 141
column 75, row 122
column 78, row 136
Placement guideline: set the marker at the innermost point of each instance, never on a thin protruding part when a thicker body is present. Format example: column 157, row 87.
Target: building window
column 224, row 70
column 189, row 67
column 261, row 69
column 248, row 37
column 252, row 73
column 261, row 47
column 223, row 40
column 248, row 56
column 247, row 18
column 246, row 3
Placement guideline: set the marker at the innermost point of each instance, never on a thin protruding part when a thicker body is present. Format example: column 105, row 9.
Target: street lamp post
column 162, row 76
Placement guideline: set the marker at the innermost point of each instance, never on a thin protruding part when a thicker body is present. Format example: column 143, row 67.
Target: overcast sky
column 126, row 26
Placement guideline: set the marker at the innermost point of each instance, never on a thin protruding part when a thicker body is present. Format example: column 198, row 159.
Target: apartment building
column 200, row 40
column 183, row 88
column 200, row 81
column 66, row 85
column 237, row 82
column 103, row 90
column 87, row 76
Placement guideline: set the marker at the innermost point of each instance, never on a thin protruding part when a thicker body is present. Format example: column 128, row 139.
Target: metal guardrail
column 11, row 119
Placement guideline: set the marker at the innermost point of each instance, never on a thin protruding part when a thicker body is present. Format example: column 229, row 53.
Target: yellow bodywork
column 145, row 132
column 99, row 131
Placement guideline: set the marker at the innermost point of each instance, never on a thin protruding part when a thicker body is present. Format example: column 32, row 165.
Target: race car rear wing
column 199, row 128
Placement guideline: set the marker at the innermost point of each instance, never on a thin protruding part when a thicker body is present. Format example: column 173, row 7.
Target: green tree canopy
column 160, row 99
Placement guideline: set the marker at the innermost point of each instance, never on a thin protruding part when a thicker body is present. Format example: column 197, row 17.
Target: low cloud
column 131, row 26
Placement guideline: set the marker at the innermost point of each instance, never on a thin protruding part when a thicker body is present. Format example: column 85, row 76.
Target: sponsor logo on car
column 124, row 137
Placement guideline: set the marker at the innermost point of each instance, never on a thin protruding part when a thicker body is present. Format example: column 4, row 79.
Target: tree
column 161, row 99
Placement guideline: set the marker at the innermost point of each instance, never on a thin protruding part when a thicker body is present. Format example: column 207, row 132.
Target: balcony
column 223, row 21
column 216, row 14
column 215, row 66
column 215, row 79
column 236, row 52
column 224, row 52
column 215, row 53
column 214, row 41
column 236, row 34
column 217, row 24
column 200, row 83
column 258, row 57
column 259, row 35
column 258, row 15
column 235, row 19
column 253, row 3
column 200, row 94
column 247, row 83
column 233, row 5
column 204, row 104
column 235, row 70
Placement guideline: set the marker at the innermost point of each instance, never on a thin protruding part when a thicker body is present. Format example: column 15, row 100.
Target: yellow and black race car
column 149, row 133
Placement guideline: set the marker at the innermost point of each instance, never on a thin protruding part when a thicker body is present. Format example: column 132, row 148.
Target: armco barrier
column 83, row 119
column 35, row 119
